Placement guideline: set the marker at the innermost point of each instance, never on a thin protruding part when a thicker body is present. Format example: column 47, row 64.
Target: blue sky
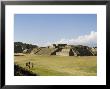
column 45, row 29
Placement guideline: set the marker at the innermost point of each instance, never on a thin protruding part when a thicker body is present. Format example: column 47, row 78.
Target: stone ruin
column 66, row 50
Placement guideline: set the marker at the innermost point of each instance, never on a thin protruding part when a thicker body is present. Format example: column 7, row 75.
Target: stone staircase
column 45, row 51
column 35, row 50
column 82, row 51
column 65, row 52
column 75, row 52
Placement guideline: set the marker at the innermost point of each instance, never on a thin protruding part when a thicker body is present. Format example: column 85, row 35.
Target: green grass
column 60, row 65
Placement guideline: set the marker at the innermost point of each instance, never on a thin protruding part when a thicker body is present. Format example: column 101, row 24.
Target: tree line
column 19, row 47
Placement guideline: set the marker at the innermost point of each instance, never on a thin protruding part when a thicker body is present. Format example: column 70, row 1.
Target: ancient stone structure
column 66, row 50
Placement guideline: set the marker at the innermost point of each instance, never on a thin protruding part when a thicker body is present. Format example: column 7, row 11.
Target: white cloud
column 89, row 40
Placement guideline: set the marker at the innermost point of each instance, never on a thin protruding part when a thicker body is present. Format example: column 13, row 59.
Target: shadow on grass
column 20, row 71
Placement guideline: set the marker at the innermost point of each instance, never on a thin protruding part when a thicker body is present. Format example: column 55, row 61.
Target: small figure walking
column 32, row 65
column 29, row 65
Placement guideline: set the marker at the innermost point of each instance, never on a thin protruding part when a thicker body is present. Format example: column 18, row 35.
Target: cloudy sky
column 46, row 29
